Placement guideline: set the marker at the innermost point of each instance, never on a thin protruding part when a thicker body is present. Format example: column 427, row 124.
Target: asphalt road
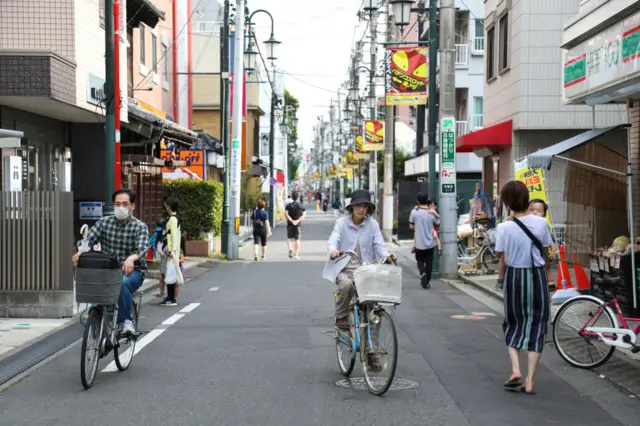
column 248, row 349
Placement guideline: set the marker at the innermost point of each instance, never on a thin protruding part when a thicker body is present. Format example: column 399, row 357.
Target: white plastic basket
column 379, row 283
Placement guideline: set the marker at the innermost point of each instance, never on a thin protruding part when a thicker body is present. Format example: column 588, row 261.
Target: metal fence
column 36, row 241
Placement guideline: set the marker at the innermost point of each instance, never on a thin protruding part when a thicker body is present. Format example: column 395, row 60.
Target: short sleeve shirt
column 517, row 246
column 424, row 223
column 294, row 210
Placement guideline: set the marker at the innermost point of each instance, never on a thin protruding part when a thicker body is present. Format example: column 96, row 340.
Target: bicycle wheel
column 91, row 342
column 125, row 349
column 379, row 353
column 489, row 259
column 582, row 351
column 344, row 348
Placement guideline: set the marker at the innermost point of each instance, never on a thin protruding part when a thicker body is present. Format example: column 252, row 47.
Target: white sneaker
column 128, row 328
column 296, row 257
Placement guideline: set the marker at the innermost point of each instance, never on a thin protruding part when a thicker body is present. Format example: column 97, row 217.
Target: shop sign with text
column 606, row 59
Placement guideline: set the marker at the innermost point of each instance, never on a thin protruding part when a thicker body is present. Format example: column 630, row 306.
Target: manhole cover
column 359, row 383
column 468, row 317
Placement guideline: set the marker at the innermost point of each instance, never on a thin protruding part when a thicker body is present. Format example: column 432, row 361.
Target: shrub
column 200, row 206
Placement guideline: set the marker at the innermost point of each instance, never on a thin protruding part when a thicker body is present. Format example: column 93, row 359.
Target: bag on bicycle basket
column 97, row 260
column 98, row 279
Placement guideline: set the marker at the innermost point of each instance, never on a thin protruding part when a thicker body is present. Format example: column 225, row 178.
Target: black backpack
column 257, row 223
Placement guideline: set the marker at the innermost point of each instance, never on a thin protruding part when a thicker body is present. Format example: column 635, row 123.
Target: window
column 478, row 39
column 504, row 43
column 154, row 53
column 142, row 45
column 491, row 53
column 477, row 112
column 165, row 65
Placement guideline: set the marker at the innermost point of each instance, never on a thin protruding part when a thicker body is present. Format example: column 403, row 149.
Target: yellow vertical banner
column 534, row 181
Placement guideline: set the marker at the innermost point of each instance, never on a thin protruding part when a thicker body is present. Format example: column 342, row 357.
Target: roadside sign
column 448, row 155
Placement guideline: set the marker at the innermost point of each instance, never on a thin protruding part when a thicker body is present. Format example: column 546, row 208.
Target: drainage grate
column 359, row 383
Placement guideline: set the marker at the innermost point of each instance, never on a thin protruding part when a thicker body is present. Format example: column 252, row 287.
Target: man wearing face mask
column 126, row 238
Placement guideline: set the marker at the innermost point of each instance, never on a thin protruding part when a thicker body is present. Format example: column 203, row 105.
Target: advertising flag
column 373, row 135
column 360, row 153
column 406, row 76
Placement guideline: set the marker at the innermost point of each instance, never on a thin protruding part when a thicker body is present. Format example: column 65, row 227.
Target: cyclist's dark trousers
column 424, row 258
column 130, row 284
column 346, row 288
column 260, row 236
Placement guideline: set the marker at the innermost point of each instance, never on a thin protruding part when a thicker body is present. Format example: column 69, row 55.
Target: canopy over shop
column 595, row 189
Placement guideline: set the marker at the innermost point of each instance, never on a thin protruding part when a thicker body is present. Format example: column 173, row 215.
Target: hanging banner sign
column 448, row 155
column 352, row 161
column 535, row 184
column 373, row 135
column 406, row 76
column 235, row 167
column 360, row 154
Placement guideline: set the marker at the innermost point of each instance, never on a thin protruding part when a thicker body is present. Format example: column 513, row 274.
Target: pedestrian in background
column 160, row 247
column 422, row 220
column 173, row 276
column 261, row 230
column 520, row 246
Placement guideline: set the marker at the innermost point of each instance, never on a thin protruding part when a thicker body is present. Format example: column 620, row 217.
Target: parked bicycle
column 98, row 282
column 587, row 330
column 372, row 331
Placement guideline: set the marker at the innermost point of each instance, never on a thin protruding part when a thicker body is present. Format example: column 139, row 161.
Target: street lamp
column 284, row 128
column 353, row 92
column 250, row 55
column 370, row 5
column 294, row 121
column 371, row 101
column 272, row 47
column 401, row 11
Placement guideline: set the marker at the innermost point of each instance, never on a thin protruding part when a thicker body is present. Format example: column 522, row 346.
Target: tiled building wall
column 634, row 119
column 529, row 92
column 36, row 24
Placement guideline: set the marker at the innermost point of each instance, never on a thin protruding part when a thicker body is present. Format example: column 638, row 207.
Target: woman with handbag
column 520, row 245
column 173, row 276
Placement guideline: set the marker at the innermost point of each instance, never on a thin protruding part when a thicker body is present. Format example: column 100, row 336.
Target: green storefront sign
column 606, row 59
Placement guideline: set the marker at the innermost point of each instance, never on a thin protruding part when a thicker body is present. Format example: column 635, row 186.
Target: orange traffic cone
column 581, row 276
column 563, row 270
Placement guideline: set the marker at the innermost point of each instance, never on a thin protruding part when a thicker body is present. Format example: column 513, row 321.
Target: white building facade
column 523, row 106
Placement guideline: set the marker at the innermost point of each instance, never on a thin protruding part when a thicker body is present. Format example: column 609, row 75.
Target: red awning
column 280, row 177
column 494, row 137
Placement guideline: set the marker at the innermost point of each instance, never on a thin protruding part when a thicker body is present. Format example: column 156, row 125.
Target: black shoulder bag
column 536, row 242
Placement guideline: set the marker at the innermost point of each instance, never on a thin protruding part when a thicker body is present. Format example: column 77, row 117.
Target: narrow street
column 248, row 348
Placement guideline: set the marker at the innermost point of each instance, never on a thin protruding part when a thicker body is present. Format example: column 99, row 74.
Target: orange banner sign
column 360, row 154
column 406, row 76
column 194, row 158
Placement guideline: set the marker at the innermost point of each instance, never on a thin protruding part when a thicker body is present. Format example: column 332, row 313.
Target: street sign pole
column 448, row 202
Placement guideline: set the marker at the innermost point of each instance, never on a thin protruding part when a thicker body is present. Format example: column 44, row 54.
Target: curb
column 493, row 293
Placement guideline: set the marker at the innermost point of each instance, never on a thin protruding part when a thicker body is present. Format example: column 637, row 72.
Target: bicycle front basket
column 379, row 283
column 99, row 286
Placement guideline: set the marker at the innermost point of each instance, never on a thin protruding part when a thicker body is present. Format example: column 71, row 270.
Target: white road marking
column 190, row 307
column 484, row 314
column 153, row 335
column 173, row 319
column 214, row 289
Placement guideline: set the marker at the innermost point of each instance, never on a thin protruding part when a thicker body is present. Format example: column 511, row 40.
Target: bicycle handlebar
column 344, row 253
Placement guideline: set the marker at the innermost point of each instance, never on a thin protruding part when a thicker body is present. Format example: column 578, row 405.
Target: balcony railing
column 478, row 45
column 476, row 121
column 462, row 54
column 207, row 27
column 462, row 128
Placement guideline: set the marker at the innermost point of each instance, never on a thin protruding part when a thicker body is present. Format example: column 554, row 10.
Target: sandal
column 157, row 294
column 514, row 382
column 524, row 390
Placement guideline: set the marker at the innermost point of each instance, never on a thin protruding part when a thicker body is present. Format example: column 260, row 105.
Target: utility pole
column 236, row 144
column 110, row 119
column 433, row 97
column 448, row 200
column 117, row 173
column 389, row 139
column 272, row 148
column 420, row 121
column 227, row 231
column 373, row 160
column 339, row 150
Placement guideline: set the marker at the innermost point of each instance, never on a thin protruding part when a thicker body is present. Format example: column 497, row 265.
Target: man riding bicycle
column 357, row 232
column 126, row 238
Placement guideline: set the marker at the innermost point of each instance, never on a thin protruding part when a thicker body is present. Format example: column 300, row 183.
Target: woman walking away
column 261, row 230
column 173, row 251
column 520, row 245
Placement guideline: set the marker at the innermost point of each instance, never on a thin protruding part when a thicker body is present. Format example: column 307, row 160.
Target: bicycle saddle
column 608, row 281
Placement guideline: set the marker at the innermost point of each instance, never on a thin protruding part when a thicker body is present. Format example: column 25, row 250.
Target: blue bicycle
column 372, row 332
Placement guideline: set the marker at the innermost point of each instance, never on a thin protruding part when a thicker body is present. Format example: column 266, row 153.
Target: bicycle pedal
column 635, row 349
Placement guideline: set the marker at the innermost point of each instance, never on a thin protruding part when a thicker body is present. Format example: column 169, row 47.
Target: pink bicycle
column 587, row 330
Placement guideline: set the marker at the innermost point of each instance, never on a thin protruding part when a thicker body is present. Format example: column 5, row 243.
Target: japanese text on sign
column 235, row 166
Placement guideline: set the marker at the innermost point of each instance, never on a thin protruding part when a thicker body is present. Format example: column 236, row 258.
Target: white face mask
column 122, row 213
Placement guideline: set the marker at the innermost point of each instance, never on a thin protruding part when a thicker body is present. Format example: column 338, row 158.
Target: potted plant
column 200, row 211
